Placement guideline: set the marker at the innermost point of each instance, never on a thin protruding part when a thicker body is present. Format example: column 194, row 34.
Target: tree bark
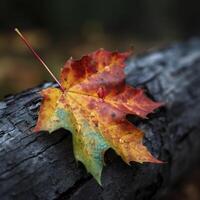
column 42, row 166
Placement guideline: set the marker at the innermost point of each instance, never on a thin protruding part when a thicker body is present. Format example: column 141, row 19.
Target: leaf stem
column 38, row 57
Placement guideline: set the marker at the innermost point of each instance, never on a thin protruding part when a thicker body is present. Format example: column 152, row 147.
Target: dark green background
column 58, row 29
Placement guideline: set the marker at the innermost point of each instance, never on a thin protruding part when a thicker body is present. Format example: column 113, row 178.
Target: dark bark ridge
column 42, row 166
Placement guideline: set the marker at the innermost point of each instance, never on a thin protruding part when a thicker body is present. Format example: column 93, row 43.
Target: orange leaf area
column 94, row 106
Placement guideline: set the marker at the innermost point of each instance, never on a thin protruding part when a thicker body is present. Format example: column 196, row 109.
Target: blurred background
column 63, row 28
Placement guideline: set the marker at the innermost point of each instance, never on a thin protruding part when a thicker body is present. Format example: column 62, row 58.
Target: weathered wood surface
column 42, row 166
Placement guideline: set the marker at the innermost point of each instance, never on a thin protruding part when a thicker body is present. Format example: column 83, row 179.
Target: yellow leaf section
column 54, row 111
column 122, row 136
column 47, row 119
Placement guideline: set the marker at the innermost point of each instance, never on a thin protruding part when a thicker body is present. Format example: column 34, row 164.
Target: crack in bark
column 72, row 190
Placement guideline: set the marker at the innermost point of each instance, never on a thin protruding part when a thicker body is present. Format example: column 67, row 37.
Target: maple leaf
column 93, row 106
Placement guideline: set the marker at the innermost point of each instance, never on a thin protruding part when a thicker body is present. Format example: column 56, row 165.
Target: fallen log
column 42, row 166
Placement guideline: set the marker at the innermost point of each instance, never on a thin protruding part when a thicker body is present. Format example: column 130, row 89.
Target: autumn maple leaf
column 93, row 107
